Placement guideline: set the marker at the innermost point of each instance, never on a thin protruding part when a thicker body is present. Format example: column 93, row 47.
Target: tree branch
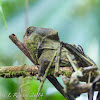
column 79, row 88
column 27, row 70
column 17, row 71
column 21, row 46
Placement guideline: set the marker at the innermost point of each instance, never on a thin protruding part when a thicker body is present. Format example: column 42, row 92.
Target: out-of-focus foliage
column 2, row 14
column 77, row 21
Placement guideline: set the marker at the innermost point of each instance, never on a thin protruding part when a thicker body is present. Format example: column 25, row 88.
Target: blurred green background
column 77, row 21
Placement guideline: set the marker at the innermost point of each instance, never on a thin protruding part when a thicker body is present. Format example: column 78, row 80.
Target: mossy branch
column 28, row 70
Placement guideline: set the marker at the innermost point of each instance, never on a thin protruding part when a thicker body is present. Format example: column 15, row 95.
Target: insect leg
column 74, row 65
column 57, row 59
column 45, row 75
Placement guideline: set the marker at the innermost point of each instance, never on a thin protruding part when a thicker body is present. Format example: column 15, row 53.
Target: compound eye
column 29, row 31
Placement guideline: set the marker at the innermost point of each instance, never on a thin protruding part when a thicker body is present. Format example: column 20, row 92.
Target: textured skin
column 42, row 43
column 38, row 40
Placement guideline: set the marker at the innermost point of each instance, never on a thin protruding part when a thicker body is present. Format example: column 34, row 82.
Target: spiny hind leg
column 47, row 65
column 74, row 64
column 43, row 67
column 41, row 75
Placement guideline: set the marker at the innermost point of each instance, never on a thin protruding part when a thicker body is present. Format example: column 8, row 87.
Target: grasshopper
column 48, row 51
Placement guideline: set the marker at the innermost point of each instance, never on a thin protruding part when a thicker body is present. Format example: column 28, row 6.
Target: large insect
column 48, row 51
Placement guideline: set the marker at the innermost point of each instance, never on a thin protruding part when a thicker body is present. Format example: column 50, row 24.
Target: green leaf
column 2, row 14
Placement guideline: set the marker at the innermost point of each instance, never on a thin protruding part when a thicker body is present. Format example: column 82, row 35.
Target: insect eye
column 29, row 32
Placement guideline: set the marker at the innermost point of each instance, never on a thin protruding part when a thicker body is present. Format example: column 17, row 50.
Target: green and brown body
column 43, row 42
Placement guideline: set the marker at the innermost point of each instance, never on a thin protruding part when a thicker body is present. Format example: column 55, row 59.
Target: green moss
column 14, row 74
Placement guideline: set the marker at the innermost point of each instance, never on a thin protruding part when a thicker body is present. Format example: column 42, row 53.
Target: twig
column 79, row 88
column 21, row 46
